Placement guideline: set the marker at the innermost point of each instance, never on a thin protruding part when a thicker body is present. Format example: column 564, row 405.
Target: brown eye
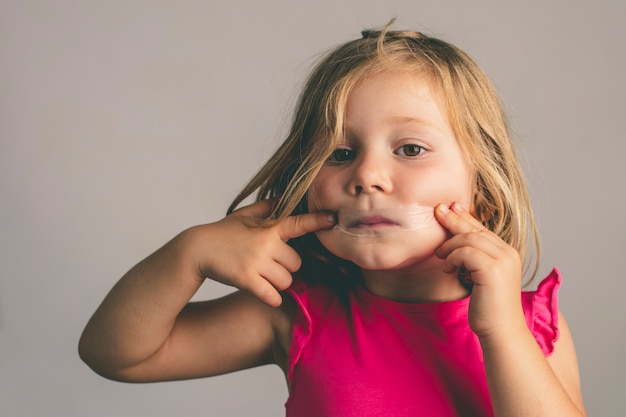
column 410, row 150
column 341, row 155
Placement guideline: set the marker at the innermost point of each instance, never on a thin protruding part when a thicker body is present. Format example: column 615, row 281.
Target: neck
column 410, row 286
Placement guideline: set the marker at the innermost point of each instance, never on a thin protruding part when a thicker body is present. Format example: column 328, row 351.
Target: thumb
column 296, row 226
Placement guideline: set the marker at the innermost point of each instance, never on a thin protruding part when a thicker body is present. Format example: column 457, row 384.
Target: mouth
column 375, row 222
column 371, row 222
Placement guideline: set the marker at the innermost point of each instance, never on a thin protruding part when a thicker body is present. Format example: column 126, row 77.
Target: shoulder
column 541, row 311
column 305, row 308
column 300, row 302
column 309, row 296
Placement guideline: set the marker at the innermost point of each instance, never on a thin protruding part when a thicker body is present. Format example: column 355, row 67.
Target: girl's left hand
column 493, row 267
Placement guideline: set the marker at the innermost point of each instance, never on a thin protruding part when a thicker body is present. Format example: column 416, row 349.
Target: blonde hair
column 501, row 200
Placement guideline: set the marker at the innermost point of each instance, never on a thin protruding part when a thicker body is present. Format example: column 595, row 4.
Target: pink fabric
column 377, row 357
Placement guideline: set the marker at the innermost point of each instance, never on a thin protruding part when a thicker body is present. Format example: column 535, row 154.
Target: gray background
column 124, row 122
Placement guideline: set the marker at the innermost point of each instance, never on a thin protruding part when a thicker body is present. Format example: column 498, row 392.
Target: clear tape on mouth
column 384, row 221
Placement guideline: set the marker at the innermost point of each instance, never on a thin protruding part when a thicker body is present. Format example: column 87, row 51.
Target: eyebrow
column 419, row 123
column 409, row 119
column 405, row 120
column 422, row 123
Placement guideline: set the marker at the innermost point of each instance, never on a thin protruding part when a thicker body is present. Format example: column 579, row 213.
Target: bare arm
column 522, row 382
column 146, row 329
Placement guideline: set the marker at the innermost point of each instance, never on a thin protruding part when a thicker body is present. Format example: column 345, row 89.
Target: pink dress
column 371, row 356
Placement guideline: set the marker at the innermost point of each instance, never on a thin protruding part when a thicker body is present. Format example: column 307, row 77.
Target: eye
column 410, row 150
column 341, row 155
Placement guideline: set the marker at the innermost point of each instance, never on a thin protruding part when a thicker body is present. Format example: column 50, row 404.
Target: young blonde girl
column 367, row 317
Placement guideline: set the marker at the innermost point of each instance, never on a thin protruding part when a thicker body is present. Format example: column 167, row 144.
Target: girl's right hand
column 237, row 251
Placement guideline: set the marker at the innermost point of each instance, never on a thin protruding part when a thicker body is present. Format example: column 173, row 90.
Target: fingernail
column 458, row 207
column 332, row 219
column 443, row 208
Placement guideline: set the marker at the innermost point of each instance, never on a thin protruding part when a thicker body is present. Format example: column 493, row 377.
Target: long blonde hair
column 501, row 200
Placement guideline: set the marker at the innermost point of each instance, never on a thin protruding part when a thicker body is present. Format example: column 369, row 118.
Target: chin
column 386, row 252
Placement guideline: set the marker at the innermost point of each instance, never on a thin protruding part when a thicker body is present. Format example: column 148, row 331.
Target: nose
column 370, row 175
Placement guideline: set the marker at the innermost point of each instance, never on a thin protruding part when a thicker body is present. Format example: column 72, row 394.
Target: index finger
column 457, row 219
column 301, row 224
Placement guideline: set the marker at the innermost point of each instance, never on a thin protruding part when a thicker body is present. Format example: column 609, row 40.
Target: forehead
column 399, row 96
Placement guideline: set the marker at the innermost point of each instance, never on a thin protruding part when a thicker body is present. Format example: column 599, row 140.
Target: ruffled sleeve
column 301, row 327
column 542, row 312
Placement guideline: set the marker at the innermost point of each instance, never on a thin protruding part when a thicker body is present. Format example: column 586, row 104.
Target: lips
column 371, row 222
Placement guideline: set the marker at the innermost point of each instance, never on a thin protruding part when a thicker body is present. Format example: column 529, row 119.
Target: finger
column 295, row 226
column 288, row 258
column 466, row 257
column 277, row 276
column 264, row 291
column 457, row 219
column 480, row 241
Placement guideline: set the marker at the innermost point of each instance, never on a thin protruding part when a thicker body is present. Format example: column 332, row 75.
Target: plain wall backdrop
column 124, row 122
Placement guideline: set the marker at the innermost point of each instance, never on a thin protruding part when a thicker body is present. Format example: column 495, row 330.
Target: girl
column 381, row 265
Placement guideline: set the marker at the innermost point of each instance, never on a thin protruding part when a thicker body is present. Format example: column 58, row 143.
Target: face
column 398, row 151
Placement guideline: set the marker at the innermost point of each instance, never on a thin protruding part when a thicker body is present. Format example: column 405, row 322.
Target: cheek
column 440, row 186
column 320, row 194
column 314, row 200
column 461, row 183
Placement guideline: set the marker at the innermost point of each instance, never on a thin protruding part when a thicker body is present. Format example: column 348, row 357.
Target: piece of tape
column 384, row 221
